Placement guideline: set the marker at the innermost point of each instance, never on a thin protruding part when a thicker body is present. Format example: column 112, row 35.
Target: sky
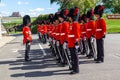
column 29, row 7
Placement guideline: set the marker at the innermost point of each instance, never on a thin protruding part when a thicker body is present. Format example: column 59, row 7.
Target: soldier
column 39, row 29
column 44, row 31
column 54, row 34
column 73, row 38
column 83, row 33
column 90, row 28
column 27, row 36
column 57, row 37
column 100, row 32
column 63, row 31
column 51, row 16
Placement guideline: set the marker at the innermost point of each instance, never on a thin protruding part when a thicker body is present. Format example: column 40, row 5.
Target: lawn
column 10, row 22
column 113, row 26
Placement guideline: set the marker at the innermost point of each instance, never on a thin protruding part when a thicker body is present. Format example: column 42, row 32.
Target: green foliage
column 14, row 21
column 112, row 5
column 34, row 23
column 34, row 29
column 84, row 5
column 40, row 17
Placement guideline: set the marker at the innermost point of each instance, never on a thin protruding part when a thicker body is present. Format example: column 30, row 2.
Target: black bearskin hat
column 44, row 22
column 70, row 14
column 61, row 13
column 76, row 14
column 90, row 14
column 26, row 20
column 50, row 17
column 64, row 13
column 99, row 10
column 56, row 16
column 38, row 22
column 83, row 17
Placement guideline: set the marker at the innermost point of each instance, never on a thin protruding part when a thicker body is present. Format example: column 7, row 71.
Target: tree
column 84, row 5
column 112, row 5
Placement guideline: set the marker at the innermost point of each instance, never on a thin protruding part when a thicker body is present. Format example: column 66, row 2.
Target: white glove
column 85, row 38
column 65, row 45
column 58, row 43
column 77, row 46
column 54, row 41
column 92, row 39
column 50, row 39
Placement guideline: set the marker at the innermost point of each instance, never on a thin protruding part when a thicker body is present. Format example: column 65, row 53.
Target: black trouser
column 44, row 38
column 57, row 53
column 74, row 60
column 100, row 49
column 27, row 50
column 83, row 43
column 63, row 54
column 90, row 47
column 39, row 35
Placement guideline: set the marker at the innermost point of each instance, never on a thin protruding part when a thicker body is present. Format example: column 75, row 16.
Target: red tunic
column 100, row 28
column 83, row 30
column 90, row 28
column 26, row 34
column 64, row 32
column 74, row 34
column 44, row 29
column 39, row 28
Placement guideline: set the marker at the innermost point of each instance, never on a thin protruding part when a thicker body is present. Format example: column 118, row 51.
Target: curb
column 6, row 39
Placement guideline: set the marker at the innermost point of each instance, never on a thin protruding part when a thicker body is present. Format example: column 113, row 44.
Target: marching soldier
column 100, row 32
column 90, row 28
column 27, row 36
column 73, row 38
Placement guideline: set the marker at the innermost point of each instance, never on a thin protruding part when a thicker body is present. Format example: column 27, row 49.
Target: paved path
column 13, row 67
column 5, row 39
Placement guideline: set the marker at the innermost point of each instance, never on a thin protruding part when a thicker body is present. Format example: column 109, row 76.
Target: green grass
column 12, row 21
column 113, row 26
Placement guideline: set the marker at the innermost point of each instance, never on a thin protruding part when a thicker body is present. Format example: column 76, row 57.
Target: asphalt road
column 13, row 67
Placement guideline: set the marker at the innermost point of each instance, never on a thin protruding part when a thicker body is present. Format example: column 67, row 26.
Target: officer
column 27, row 38
column 100, row 32
column 90, row 28
column 73, row 38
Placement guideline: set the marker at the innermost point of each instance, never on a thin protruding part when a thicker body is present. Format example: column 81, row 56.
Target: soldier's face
column 82, row 21
column 97, row 16
column 70, row 19
column 29, row 24
column 60, row 19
